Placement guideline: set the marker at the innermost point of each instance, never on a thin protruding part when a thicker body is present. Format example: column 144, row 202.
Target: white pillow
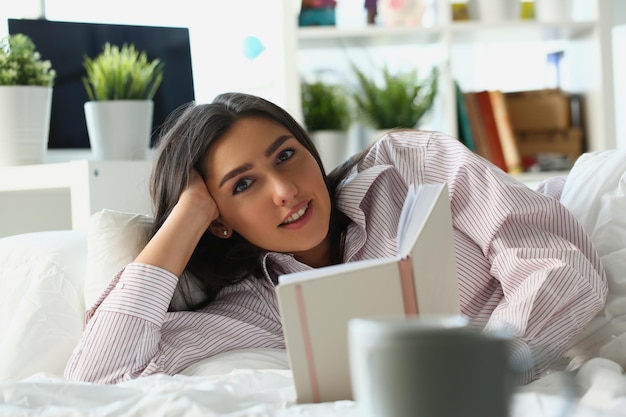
column 114, row 239
column 42, row 308
column 595, row 191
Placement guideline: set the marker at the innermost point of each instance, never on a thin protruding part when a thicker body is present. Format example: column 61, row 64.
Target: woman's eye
column 286, row 155
column 241, row 185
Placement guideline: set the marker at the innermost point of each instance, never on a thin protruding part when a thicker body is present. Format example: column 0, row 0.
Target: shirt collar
column 352, row 191
column 354, row 188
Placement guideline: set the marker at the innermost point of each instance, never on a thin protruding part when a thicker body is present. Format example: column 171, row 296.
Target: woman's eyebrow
column 276, row 144
column 234, row 172
column 245, row 167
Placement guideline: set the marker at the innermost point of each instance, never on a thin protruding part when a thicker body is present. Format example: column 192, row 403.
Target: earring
column 225, row 232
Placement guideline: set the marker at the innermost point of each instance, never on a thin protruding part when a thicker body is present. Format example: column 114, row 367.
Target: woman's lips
column 298, row 218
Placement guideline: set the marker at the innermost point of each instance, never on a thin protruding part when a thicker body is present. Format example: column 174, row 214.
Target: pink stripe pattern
column 524, row 266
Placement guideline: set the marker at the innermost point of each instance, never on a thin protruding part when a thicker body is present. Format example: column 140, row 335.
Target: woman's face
column 269, row 189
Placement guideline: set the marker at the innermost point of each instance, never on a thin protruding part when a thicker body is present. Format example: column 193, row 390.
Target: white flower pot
column 553, row 10
column 24, row 124
column 494, row 11
column 332, row 146
column 119, row 129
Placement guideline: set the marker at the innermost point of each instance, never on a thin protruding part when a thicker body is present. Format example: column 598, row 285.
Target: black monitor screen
column 66, row 44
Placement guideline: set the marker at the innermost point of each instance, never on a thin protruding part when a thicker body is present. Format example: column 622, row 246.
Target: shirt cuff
column 143, row 291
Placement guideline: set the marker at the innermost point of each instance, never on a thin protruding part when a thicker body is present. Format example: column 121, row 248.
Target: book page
column 419, row 204
column 332, row 271
column 407, row 211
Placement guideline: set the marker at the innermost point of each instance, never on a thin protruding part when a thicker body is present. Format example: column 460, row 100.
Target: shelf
column 519, row 31
column 330, row 36
column 80, row 187
column 64, row 174
column 510, row 55
column 470, row 32
column 35, row 177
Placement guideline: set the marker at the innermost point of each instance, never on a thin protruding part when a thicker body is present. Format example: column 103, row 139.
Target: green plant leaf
column 122, row 74
column 21, row 64
column 401, row 101
column 325, row 107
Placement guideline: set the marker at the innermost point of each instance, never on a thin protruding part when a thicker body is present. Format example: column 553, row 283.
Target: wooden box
column 539, row 110
column 566, row 145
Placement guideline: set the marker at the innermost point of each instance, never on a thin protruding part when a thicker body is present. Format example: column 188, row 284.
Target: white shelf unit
column 456, row 47
column 61, row 196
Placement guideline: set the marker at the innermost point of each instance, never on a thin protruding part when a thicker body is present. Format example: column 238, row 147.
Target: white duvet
column 598, row 389
column 258, row 383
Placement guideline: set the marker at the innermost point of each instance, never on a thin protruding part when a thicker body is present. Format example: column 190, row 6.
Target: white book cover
column 316, row 305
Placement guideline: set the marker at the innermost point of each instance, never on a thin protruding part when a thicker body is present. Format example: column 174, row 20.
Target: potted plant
column 120, row 83
column 400, row 100
column 26, row 82
column 327, row 117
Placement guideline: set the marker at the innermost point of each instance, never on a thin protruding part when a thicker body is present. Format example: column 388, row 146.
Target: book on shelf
column 463, row 121
column 512, row 157
column 476, row 126
column 316, row 305
column 490, row 127
column 548, row 125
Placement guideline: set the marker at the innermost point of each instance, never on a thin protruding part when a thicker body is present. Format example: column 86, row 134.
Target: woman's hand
column 172, row 245
column 196, row 199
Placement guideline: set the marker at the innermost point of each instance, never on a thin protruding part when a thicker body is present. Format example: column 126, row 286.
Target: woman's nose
column 283, row 189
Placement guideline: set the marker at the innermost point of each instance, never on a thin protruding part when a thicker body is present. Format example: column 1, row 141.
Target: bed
column 47, row 279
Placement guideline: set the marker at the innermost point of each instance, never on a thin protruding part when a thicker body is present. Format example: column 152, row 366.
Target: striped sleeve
column 130, row 333
column 525, row 263
column 122, row 331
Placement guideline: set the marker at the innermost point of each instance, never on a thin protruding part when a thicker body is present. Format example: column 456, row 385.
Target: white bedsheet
column 250, row 392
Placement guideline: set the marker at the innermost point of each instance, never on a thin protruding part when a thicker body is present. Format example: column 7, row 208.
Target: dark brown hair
column 188, row 135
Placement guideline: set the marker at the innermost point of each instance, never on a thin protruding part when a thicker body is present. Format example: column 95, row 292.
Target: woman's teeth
column 295, row 216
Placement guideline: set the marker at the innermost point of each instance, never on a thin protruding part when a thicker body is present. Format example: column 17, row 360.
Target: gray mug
column 428, row 367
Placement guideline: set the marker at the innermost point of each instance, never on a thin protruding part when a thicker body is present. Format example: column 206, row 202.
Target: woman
column 241, row 197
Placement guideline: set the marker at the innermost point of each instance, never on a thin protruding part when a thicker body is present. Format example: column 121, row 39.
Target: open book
column 316, row 305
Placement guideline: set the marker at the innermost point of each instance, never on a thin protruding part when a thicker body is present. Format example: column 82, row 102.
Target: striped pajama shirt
column 524, row 264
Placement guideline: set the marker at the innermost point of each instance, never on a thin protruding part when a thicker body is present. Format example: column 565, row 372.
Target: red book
column 505, row 132
column 490, row 128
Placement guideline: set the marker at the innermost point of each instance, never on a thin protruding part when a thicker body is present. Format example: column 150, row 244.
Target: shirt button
column 77, row 351
column 120, row 286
